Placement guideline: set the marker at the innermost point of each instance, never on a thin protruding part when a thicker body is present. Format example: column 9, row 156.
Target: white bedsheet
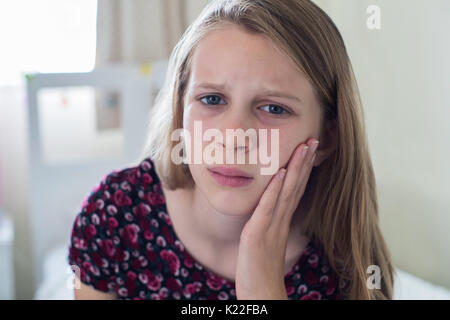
column 58, row 278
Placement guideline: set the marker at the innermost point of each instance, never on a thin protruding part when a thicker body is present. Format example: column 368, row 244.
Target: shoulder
column 121, row 197
column 109, row 222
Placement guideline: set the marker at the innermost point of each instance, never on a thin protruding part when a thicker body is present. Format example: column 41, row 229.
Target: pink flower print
column 123, row 292
column 154, row 198
column 313, row 260
column 214, row 282
column 142, row 210
column 107, row 248
column 146, row 179
column 121, row 199
column 302, row 289
column 174, row 262
column 332, row 284
column 90, row 231
column 163, row 293
column 125, row 186
column 179, row 245
column 173, row 284
column 130, row 234
column 145, row 165
column 86, row 265
column 160, row 241
column 132, row 176
column 191, row 288
column 112, row 223
column 163, row 215
column 131, row 275
column 154, row 223
column 91, row 207
column 82, row 244
column 323, row 279
column 143, row 277
column 95, row 219
column 129, row 217
column 148, row 235
column 312, row 295
column 222, row 295
column 112, row 210
column 290, row 290
column 143, row 261
column 120, row 281
column 330, row 291
column 100, row 203
column 154, row 284
column 166, row 234
column 176, row 295
column 155, row 296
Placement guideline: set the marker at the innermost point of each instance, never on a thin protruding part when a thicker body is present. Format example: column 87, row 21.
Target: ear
column 328, row 142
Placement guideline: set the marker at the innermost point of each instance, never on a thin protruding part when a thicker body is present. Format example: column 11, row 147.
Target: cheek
column 289, row 143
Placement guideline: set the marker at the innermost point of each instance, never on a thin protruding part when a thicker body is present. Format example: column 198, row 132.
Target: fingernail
column 304, row 151
column 282, row 173
column 314, row 145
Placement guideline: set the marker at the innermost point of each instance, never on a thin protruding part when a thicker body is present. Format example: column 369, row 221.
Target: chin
column 237, row 208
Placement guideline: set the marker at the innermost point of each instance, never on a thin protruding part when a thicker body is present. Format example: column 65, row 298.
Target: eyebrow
column 264, row 92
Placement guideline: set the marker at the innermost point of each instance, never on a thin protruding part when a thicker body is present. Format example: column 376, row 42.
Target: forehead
column 233, row 55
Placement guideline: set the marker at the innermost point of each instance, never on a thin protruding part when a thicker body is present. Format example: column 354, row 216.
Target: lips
column 230, row 172
column 230, row 177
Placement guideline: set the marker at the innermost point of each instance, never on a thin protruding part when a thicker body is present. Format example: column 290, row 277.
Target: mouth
column 230, row 177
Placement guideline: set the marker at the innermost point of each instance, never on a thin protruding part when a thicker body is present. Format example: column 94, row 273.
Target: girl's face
column 246, row 66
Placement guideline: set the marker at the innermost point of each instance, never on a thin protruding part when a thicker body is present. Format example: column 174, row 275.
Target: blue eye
column 272, row 108
column 211, row 101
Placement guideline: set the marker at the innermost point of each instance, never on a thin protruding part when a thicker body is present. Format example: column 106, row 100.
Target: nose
column 238, row 122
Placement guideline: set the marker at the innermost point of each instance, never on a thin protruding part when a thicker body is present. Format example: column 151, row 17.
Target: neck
column 221, row 230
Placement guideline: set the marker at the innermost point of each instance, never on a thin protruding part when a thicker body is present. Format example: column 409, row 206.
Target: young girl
column 195, row 230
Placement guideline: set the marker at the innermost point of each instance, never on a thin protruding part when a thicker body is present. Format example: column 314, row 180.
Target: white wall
column 403, row 71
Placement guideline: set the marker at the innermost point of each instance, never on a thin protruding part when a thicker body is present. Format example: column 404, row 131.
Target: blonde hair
column 340, row 203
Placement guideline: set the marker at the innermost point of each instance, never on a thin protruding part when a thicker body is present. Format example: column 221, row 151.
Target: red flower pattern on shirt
column 123, row 241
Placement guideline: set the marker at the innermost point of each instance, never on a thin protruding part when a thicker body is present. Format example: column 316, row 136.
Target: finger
column 266, row 205
column 302, row 181
column 291, row 191
column 292, row 176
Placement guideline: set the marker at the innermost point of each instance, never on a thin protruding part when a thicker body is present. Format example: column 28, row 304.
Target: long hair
column 339, row 205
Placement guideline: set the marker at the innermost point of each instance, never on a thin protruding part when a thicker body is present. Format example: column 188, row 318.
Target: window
column 46, row 36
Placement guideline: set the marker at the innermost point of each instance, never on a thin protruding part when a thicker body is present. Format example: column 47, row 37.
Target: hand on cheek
column 263, row 242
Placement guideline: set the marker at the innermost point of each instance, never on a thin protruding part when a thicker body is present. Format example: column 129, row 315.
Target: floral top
column 123, row 241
